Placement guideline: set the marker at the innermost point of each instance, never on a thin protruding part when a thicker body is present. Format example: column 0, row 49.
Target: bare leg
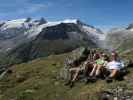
column 73, row 76
column 87, row 68
column 72, row 72
column 93, row 70
column 114, row 73
column 98, row 70
column 73, row 69
column 76, row 74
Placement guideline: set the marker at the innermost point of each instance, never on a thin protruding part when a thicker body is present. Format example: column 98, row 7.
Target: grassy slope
column 37, row 80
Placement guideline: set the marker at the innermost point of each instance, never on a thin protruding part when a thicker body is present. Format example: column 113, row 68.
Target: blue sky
column 100, row 13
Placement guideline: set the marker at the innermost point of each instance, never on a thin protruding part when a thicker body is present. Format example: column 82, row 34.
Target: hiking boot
column 109, row 79
column 97, row 77
column 94, row 79
column 91, row 79
column 71, row 84
column 67, row 83
column 87, row 80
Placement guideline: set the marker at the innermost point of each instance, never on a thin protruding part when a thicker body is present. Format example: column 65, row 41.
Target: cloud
column 105, row 28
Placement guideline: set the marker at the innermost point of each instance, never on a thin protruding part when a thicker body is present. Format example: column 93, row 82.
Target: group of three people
column 99, row 66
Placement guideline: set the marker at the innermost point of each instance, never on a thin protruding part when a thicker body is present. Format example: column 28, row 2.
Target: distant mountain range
column 15, row 32
column 29, row 38
column 120, row 38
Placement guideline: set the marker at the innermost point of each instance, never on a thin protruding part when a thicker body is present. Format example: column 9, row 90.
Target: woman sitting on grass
column 99, row 66
column 114, row 67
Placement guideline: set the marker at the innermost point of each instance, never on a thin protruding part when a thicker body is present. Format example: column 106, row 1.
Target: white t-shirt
column 115, row 65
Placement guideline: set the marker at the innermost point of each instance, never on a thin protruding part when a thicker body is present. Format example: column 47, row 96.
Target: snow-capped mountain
column 86, row 28
column 34, row 28
column 120, row 38
column 21, row 23
column 19, row 31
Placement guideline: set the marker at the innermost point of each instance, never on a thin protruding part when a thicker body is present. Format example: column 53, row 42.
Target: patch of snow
column 94, row 32
column 34, row 31
column 13, row 24
column 8, row 49
column 70, row 21
column 64, row 21
column 131, row 29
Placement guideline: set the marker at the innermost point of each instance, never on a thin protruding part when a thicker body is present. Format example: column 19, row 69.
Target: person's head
column 94, row 51
column 96, row 56
column 101, row 54
column 114, row 55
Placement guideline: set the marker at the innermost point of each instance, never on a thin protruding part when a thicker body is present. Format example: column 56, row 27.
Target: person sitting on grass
column 114, row 67
column 76, row 67
column 88, row 64
column 81, row 66
column 98, row 66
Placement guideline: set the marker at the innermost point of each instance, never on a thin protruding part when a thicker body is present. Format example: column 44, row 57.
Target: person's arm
column 122, row 64
column 105, row 63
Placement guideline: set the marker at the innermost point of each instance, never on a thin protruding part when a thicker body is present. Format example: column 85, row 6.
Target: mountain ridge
column 27, row 39
column 30, row 28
